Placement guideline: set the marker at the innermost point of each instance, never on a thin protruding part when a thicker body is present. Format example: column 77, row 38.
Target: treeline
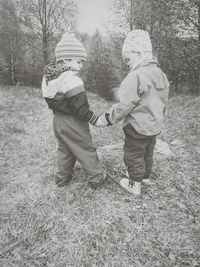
column 30, row 29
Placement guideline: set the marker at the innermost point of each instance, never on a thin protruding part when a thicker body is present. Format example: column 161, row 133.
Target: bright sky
column 93, row 14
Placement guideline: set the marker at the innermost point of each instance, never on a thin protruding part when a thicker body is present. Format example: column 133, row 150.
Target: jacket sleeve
column 76, row 96
column 80, row 107
column 73, row 101
column 128, row 99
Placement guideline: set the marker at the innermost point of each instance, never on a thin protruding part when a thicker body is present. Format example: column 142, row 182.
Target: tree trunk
column 12, row 70
column 199, row 23
column 198, row 78
column 131, row 16
column 44, row 30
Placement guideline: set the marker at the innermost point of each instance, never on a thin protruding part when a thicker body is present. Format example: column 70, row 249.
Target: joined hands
column 101, row 122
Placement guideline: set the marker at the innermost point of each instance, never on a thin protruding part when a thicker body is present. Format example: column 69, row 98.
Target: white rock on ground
column 162, row 149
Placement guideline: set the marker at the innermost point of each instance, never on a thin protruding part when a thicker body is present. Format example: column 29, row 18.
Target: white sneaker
column 132, row 189
column 145, row 181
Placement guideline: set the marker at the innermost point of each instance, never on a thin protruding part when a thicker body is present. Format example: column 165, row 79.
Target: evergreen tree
column 98, row 72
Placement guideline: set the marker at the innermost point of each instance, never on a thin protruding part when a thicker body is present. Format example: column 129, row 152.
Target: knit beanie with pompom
column 70, row 47
column 136, row 41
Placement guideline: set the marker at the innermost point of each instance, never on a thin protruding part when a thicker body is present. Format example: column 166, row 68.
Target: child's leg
column 134, row 160
column 66, row 162
column 77, row 138
column 134, row 150
column 86, row 154
column 66, row 159
column 148, row 157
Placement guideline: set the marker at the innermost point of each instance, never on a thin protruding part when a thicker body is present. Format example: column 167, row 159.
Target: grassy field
column 42, row 225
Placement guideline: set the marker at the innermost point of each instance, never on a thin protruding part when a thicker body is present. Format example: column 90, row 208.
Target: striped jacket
column 66, row 94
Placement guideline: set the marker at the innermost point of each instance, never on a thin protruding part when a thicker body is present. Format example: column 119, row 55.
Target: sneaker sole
column 124, row 184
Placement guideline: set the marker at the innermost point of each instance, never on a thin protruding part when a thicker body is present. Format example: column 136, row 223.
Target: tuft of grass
column 42, row 225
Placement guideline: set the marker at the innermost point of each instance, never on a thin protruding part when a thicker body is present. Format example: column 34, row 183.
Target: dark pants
column 75, row 143
column 138, row 153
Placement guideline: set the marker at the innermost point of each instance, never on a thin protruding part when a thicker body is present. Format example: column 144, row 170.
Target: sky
column 93, row 14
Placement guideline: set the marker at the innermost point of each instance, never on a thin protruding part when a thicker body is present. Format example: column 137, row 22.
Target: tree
column 98, row 72
column 29, row 31
column 189, row 42
column 45, row 19
column 10, row 44
column 174, row 27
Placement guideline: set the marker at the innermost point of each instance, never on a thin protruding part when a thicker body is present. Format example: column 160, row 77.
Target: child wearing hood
column 64, row 93
column 143, row 97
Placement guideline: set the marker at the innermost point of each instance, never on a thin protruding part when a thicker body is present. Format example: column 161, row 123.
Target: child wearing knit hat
column 64, row 93
column 143, row 97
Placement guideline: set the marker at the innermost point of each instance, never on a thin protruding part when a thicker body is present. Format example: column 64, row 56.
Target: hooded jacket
column 143, row 97
column 66, row 94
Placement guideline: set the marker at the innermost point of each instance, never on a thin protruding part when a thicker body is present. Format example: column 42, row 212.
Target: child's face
column 132, row 59
column 75, row 63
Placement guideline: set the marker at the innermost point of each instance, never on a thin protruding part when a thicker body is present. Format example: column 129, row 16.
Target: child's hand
column 105, row 119
column 102, row 121
column 99, row 123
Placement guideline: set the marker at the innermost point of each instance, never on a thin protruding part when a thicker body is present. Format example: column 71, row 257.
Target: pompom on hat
column 70, row 47
column 136, row 41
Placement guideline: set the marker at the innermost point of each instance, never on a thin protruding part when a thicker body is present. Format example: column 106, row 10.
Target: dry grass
column 41, row 225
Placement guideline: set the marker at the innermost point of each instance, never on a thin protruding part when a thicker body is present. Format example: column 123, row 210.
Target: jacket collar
column 144, row 62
